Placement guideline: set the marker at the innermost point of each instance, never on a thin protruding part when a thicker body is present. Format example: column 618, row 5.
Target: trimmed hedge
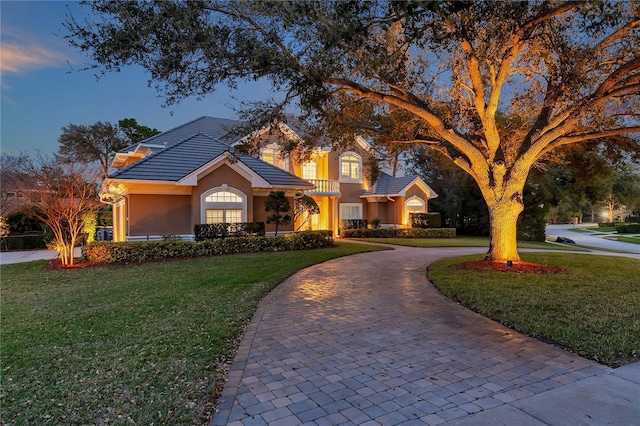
column 399, row 233
column 23, row 242
column 110, row 252
column 223, row 230
column 629, row 228
column 352, row 224
column 606, row 224
column 425, row 220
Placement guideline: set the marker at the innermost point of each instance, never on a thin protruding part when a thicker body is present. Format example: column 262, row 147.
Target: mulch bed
column 518, row 267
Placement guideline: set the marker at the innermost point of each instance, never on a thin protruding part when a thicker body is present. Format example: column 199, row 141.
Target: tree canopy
column 136, row 132
column 101, row 140
column 568, row 71
column 89, row 143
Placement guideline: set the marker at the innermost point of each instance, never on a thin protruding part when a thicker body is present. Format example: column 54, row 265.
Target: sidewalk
column 7, row 257
column 366, row 340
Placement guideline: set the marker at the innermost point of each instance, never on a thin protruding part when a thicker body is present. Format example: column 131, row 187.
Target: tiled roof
column 272, row 174
column 389, row 185
column 216, row 128
column 184, row 157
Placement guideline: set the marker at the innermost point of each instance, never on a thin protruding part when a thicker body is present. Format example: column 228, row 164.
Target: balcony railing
column 324, row 187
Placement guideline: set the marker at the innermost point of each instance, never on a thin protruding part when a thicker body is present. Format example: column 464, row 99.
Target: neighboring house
column 190, row 175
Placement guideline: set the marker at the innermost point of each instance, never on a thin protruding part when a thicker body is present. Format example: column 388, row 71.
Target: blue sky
column 44, row 89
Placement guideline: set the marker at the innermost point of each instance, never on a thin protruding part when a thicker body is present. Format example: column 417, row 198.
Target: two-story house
column 193, row 174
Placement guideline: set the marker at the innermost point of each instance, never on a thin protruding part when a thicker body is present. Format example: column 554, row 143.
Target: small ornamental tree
column 305, row 206
column 277, row 203
column 67, row 194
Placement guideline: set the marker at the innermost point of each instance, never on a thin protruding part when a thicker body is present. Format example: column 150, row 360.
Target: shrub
column 310, row 239
column 23, row 242
column 399, row 233
column 352, row 224
column 430, row 233
column 23, row 221
column 223, row 230
column 90, row 226
column 629, row 228
column 110, row 252
column 606, row 224
column 425, row 220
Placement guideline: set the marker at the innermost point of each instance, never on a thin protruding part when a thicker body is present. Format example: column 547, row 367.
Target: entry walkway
column 366, row 340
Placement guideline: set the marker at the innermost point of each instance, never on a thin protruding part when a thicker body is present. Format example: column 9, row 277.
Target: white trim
column 407, row 212
column 362, row 142
column 315, row 169
column 359, row 205
column 285, row 129
column 417, row 181
column 224, row 187
column 347, row 179
column 183, row 237
column 415, row 197
column 278, row 153
column 238, row 166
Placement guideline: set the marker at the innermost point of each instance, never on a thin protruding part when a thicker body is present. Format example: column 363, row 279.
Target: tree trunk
column 503, row 217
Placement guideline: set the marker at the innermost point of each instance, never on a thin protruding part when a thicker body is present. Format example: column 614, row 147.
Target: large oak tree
column 569, row 71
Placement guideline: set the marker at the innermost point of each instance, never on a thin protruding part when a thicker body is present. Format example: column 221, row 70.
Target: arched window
column 224, row 205
column 271, row 154
column 350, row 167
column 414, row 205
column 309, row 170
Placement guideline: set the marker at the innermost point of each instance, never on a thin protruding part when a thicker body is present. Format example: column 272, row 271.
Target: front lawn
column 599, row 228
column 139, row 344
column 625, row 239
column 591, row 309
column 461, row 242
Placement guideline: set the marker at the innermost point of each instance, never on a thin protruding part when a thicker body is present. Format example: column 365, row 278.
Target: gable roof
column 391, row 186
column 216, row 128
column 182, row 158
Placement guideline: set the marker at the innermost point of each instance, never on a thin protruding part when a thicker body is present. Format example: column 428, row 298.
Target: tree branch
column 551, row 13
column 583, row 137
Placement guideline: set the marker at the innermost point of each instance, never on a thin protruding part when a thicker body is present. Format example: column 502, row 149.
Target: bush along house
column 193, row 174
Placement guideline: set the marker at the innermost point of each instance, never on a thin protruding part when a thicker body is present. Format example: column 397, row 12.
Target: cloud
column 18, row 57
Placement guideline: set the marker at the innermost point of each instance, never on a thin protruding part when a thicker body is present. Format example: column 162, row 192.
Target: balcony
column 324, row 187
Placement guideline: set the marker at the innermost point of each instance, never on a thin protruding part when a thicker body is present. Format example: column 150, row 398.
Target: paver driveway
column 366, row 339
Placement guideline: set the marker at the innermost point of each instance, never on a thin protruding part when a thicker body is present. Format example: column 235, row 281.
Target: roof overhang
column 243, row 170
column 285, row 129
column 403, row 192
column 141, row 150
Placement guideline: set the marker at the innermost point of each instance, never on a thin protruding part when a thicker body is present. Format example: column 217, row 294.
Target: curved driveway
column 367, row 340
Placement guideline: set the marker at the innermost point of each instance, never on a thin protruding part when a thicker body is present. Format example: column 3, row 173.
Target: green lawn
column 139, row 344
column 634, row 240
column 598, row 228
column 463, row 242
column 591, row 309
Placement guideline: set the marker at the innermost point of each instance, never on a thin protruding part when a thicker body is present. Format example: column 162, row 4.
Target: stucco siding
column 223, row 175
column 159, row 215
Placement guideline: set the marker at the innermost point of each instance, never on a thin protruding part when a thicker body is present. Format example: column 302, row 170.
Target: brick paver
column 367, row 339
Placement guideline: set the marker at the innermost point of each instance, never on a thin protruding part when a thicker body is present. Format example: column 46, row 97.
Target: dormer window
column 350, row 167
column 271, row 154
